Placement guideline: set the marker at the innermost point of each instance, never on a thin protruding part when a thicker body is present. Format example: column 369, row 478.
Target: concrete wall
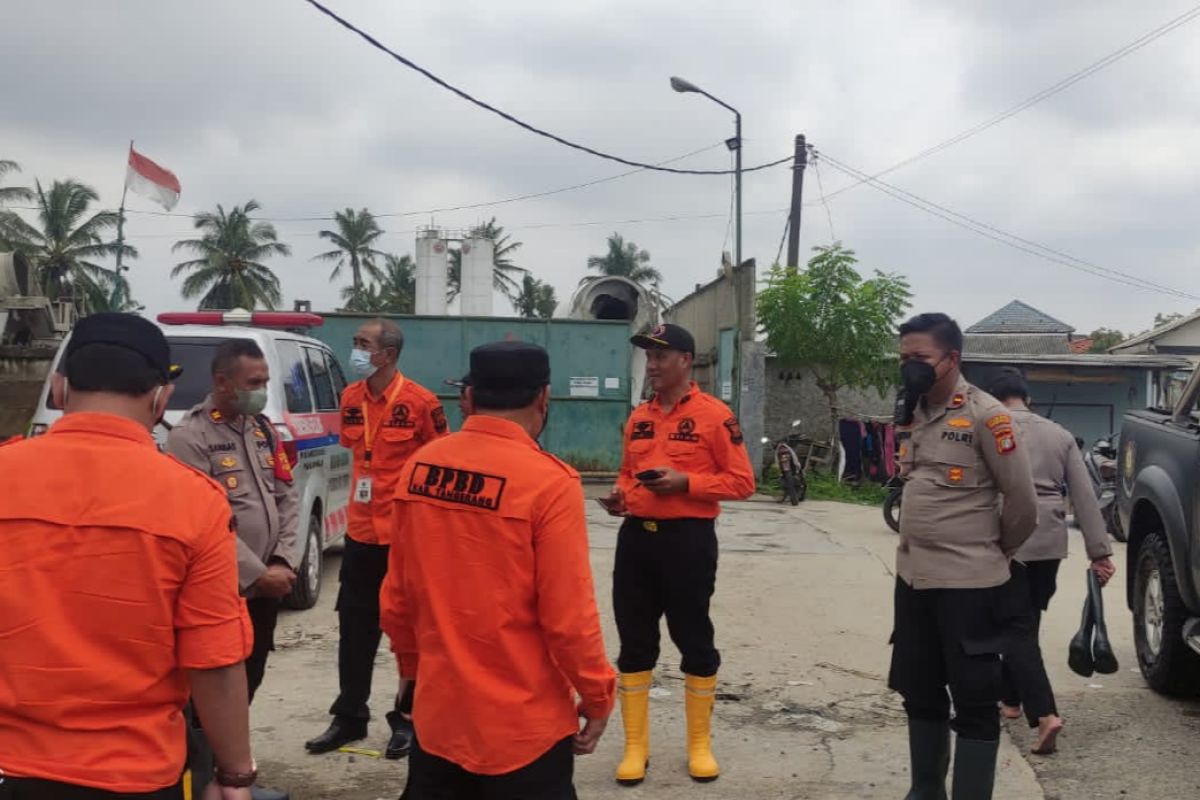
column 709, row 309
column 23, row 370
column 792, row 393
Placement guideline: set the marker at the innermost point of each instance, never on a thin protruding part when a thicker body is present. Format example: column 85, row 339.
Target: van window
column 195, row 355
column 339, row 380
column 327, row 399
column 295, row 379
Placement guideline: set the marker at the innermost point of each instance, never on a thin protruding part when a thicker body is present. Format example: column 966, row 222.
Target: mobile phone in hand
column 649, row 475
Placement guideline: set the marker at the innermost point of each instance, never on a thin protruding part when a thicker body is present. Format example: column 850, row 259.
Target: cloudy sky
column 270, row 100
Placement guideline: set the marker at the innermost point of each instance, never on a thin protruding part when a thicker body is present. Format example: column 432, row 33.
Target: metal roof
column 1016, row 343
column 1018, row 317
column 1150, row 336
column 1099, row 360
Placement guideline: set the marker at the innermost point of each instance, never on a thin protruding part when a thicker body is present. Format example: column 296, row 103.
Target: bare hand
column 216, row 792
column 669, row 481
column 586, row 740
column 614, row 503
column 1104, row 569
column 277, row 581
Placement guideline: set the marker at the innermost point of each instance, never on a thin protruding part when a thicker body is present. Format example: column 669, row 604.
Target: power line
column 1004, row 237
column 816, row 162
column 1062, row 85
column 371, row 40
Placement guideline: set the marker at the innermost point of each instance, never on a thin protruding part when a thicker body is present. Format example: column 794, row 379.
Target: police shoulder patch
column 1006, row 440
column 1000, row 420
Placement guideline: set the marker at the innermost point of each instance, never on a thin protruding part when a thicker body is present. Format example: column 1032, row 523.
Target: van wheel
column 1166, row 661
column 308, row 577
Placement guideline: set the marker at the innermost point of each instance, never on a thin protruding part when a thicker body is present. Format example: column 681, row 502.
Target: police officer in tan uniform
column 226, row 436
column 969, row 504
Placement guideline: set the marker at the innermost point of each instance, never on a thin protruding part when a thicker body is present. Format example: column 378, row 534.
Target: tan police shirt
column 959, row 459
column 1058, row 469
column 239, row 456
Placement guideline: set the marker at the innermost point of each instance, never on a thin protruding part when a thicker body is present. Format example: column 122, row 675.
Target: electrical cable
column 1067, row 82
column 787, row 222
column 732, row 203
column 375, row 43
column 1004, row 237
column 816, row 162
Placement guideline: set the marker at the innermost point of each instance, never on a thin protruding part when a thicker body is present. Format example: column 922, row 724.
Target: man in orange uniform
column 489, row 597
column 683, row 454
column 385, row 419
column 119, row 594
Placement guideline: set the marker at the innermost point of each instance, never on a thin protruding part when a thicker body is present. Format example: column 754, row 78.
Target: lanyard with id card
column 362, row 489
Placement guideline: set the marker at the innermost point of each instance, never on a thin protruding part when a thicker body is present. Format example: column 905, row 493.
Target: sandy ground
column 803, row 614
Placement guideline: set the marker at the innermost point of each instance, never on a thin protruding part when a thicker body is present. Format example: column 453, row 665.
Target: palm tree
column 12, row 194
column 536, row 299
column 395, row 294
column 356, row 232
column 67, row 243
column 624, row 259
column 229, row 273
column 503, row 267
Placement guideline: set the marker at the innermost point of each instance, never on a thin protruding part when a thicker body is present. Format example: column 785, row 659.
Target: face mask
column 918, row 377
column 251, row 402
column 360, row 362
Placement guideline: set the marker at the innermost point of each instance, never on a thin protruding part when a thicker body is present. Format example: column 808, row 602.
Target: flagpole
column 121, row 212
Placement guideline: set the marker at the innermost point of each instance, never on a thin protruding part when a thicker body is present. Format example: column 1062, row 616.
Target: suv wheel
column 308, row 577
column 1167, row 663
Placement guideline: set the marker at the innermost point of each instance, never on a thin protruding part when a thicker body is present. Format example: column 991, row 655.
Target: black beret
column 509, row 365
column 128, row 331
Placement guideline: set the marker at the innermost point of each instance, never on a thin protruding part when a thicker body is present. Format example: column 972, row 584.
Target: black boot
column 1079, row 655
column 974, row 769
column 1102, row 652
column 340, row 732
column 929, row 757
column 401, row 740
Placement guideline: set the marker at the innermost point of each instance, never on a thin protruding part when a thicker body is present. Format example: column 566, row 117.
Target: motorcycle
column 891, row 505
column 791, row 471
column 1101, row 464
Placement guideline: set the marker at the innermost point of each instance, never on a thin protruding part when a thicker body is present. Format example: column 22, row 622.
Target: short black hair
column 506, row 399
column 1008, row 384
column 230, row 351
column 112, row 369
column 942, row 328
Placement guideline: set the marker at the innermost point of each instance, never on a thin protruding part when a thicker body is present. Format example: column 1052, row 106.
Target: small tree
column 1104, row 338
column 830, row 321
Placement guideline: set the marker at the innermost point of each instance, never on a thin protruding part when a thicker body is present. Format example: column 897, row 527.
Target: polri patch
column 454, row 485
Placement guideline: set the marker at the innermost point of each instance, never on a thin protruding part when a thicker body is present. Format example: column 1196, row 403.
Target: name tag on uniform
column 362, row 490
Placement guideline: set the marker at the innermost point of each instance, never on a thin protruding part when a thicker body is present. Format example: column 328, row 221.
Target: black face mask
column 918, row 378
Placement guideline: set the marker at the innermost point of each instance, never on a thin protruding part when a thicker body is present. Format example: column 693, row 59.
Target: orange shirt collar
column 103, row 424
column 691, row 391
column 495, row 426
column 399, row 376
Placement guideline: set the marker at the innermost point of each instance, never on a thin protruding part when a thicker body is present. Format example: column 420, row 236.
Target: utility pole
column 121, row 212
column 799, row 162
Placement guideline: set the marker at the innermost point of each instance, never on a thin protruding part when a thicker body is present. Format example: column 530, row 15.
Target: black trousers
column 951, row 638
column 363, row 569
column 33, row 789
column 666, row 567
column 1024, row 673
column 264, row 614
column 550, row 777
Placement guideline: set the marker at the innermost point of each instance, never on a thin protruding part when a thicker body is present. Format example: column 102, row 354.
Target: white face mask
column 360, row 362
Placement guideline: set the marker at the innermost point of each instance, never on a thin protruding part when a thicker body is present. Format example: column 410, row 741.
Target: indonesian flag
column 152, row 181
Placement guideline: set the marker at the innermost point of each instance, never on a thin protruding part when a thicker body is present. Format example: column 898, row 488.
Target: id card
column 362, row 490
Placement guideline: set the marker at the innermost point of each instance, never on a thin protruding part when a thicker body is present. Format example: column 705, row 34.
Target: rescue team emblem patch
column 998, row 421
column 685, row 432
column 955, row 475
column 439, row 419
column 228, row 462
column 735, row 430
column 643, row 429
column 960, row 422
column 352, row 415
column 231, row 482
column 400, row 418
column 466, row 487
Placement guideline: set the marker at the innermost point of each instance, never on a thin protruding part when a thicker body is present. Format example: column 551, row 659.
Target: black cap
column 457, row 383
column 509, row 365
column 666, row 337
column 130, row 332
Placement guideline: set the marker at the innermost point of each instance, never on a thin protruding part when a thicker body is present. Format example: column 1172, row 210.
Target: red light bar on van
column 259, row 319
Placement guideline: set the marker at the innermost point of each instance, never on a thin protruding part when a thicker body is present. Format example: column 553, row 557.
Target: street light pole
column 734, row 144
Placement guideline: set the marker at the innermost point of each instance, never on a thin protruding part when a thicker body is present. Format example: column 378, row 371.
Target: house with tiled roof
column 1178, row 337
column 1018, row 329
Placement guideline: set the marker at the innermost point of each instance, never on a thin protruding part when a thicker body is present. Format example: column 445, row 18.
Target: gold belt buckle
column 650, row 525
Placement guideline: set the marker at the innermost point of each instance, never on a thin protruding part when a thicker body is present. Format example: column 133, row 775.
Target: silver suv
column 303, row 401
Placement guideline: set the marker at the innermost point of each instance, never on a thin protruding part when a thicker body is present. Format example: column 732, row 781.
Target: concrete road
column 803, row 614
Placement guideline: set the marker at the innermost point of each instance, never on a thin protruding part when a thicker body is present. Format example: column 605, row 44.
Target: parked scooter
column 791, row 472
column 891, row 505
column 1101, row 463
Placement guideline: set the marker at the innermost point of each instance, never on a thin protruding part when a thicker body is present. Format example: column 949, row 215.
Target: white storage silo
column 431, row 272
column 476, row 290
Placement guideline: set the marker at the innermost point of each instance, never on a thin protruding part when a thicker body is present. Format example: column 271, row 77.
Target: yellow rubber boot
column 700, row 696
column 633, row 689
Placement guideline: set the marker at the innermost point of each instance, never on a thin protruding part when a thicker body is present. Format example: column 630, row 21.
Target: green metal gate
column 589, row 370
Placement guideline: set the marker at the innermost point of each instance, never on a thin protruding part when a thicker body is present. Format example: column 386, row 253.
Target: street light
column 734, row 144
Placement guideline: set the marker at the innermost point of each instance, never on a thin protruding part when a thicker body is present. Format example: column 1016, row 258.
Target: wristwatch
column 237, row 780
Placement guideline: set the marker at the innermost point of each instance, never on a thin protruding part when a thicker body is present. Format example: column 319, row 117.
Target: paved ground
column 803, row 613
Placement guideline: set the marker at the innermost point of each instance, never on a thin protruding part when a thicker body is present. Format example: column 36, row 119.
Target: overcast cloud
column 270, row 100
